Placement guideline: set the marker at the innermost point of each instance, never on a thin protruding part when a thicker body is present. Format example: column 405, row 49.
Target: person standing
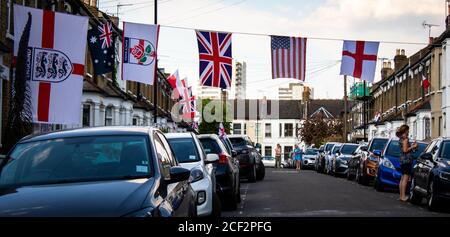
column 297, row 157
column 278, row 156
column 405, row 159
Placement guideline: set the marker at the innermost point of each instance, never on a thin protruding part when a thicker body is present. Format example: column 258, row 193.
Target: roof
column 287, row 109
column 91, row 131
column 328, row 108
column 178, row 135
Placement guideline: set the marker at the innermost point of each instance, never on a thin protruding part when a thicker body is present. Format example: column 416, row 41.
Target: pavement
column 289, row 193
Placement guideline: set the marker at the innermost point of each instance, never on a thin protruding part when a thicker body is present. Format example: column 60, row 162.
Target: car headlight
column 444, row 175
column 145, row 212
column 388, row 164
column 196, row 175
column 372, row 158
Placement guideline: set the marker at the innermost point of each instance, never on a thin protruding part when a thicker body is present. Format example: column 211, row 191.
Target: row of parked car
column 126, row 171
column 378, row 163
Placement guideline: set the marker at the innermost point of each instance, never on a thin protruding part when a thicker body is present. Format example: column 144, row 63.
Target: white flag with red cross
column 359, row 59
column 140, row 43
column 176, row 84
column 56, row 55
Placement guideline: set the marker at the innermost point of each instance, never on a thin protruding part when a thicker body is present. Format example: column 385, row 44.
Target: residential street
column 287, row 193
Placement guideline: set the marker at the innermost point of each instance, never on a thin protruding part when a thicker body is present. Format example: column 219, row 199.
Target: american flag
column 288, row 57
column 215, row 58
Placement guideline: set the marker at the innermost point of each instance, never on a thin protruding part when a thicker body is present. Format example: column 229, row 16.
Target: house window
column 245, row 129
column 440, row 126
column 288, row 130
column 427, row 128
column 237, row 128
column 109, row 116
column 440, row 72
column 280, row 130
column 86, row 115
column 268, row 130
column 268, row 151
column 258, row 127
column 135, row 121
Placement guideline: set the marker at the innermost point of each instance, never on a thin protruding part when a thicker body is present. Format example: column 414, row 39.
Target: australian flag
column 101, row 43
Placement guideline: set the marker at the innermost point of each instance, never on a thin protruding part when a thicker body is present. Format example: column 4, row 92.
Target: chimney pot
column 403, row 52
column 430, row 40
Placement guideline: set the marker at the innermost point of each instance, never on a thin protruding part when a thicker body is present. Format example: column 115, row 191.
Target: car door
column 421, row 166
column 176, row 201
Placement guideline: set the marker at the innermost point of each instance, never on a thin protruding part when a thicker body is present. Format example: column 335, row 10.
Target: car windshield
column 238, row 141
column 328, row 147
column 185, row 149
column 445, row 151
column 311, row 152
column 66, row 160
column 210, row 146
column 348, row 149
column 335, row 149
column 393, row 149
column 378, row 144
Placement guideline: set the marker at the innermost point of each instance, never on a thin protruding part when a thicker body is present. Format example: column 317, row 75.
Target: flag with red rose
column 140, row 43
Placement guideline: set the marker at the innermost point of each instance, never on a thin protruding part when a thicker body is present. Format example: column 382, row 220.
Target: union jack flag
column 106, row 34
column 189, row 105
column 215, row 58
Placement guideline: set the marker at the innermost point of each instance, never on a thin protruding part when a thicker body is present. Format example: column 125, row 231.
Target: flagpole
column 155, row 84
column 345, row 108
column 364, row 110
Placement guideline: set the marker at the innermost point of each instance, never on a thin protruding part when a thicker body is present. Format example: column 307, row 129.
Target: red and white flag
column 56, row 55
column 176, row 84
column 140, row 44
column 359, row 59
column 425, row 81
column 222, row 132
column 288, row 57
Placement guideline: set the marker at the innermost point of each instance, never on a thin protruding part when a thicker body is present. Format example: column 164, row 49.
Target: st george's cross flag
column 140, row 43
column 215, row 58
column 288, row 57
column 359, row 59
column 222, row 132
column 176, row 84
column 56, row 59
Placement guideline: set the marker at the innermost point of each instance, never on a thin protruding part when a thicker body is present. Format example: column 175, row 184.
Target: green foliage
column 164, row 130
column 213, row 127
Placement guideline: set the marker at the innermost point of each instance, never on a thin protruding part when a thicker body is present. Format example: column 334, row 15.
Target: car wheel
column 238, row 195
column 414, row 197
column 432, row 201
column 261, row 172
column 358, row 176
column 252, row 174
column 217, row 207
column 378, row 186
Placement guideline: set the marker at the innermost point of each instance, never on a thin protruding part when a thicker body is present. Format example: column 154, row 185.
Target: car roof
column 179, row 135
column 91, row 131
column 208, row 136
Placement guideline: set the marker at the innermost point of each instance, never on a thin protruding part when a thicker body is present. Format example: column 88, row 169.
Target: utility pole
column 155, row 82
column 345, row 108
column 364, row 110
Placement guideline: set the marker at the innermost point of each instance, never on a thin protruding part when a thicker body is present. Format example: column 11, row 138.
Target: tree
column 213, row 127
column 19, row 123
column 317, row 130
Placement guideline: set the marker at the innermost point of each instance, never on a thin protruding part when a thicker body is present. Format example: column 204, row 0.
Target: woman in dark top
column 405, row 159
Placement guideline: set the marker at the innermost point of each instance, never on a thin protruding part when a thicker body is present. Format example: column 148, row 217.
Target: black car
column 320, row 161
column 250, row 163
column 107, row 171
column 227, row 170
column 431, row 175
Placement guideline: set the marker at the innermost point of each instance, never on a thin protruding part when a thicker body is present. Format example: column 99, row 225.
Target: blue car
column 389, row 172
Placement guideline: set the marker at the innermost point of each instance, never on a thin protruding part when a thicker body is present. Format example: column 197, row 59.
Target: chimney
column 400, row 59
column 430, row 40
column 386, row 70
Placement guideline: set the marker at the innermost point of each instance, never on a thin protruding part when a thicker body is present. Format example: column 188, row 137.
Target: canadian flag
column 359, row 59
column 56, row 55
column 176, row 84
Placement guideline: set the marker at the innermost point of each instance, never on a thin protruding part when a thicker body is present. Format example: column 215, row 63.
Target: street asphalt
column 288, row 193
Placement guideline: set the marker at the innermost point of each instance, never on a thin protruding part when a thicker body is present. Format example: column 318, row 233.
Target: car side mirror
column 426, row 156
column 211, row 158
column 377, row 153
column 233, row 153
column 178, row 174
column 364, row 148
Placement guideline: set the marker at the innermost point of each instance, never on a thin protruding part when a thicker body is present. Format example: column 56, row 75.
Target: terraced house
column 106, row 100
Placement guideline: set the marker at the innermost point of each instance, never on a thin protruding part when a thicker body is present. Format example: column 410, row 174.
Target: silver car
column 330, row 156
column 190, row 155
column 309, row 158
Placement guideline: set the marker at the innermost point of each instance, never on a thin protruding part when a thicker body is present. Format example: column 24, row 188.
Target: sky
column 374, row 20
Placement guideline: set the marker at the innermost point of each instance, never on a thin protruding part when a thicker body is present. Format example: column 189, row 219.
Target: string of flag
column 56, row 60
